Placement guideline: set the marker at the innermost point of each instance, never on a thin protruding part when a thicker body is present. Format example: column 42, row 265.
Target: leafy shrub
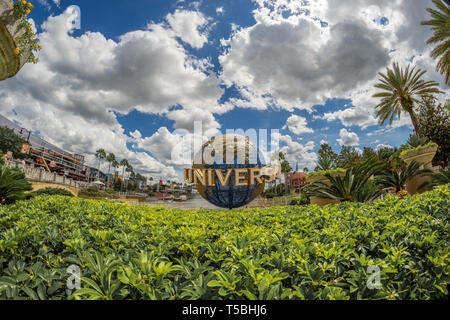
column 355, row 186
column 95, row 193
column 54, row 192
column 92, row 189
column 437, row 179
column 422, row 147
column 324, row 172
column 398, row 177
column 137, row 252
column 299, row 201
column 13, row 185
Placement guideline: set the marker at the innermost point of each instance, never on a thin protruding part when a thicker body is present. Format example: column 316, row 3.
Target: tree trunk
column 98, row 171
column 415, row 122
column 286, row 182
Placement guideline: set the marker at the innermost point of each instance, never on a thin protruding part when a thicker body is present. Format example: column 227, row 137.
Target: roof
column 299, row 176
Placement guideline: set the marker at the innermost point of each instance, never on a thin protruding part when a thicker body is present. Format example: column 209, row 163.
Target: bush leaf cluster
column 137, row 252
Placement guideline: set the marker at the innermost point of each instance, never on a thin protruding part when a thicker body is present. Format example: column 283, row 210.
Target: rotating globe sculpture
column 226, row 154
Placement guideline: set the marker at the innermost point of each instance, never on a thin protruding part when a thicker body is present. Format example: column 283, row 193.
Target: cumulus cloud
column 69, row 97
column 301, row 53
column 187, row 25
column 298, row 63
column 302, row 154
column 348, row 138
column 298, row 125
column 354, row 116
column 382, row 146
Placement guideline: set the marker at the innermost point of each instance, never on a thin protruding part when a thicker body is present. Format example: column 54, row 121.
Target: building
column 44, row 154
column 299, row 181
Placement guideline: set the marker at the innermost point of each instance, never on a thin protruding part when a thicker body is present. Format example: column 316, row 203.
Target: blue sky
column 137, row 71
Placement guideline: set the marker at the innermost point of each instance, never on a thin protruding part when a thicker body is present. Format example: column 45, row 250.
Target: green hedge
column 428, row 145
column 54, row 192
column 137, row 252
column 324, row 172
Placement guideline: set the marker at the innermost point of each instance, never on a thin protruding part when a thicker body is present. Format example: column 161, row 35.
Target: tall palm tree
column 110, row 158
column 441, row 28
column 402, row 89
column 115, row 164
column 100, row 154
column 124, row 163
column 130, row 171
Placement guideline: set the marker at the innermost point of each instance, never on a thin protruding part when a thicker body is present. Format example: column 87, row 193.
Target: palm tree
column 351, row 188
column 397, row 179
column 325, row 164
column 130, row 172
column 110, row 158
column 115, row 164
column 100, row 154
column 124, row 163
column 437, row 179
column 356, row 186
column 441, row 37
column 13, row 185
column 401, row 90
column 285, row 169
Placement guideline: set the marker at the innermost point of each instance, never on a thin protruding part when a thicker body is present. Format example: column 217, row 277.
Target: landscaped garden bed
column 136, row 252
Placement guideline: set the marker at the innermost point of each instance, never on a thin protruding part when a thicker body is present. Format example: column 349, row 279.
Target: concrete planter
column 10, row 28
column 424, row 157
column 321, row 178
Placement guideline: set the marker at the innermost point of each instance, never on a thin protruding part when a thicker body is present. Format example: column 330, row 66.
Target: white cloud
column 298, row 125
column 186, row 25
column 297, row 63
column 296, row 152
column 351, row 117
column 382, row 146
column 69, row 97
column 348, row 138
column 220, row 10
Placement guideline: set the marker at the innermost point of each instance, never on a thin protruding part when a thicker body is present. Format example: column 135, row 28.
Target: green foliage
column 348, row 157
column 421, row 147
column 299, row 201
column 356, row 186
column 325, row 172
column 434, row 122
column 398, row 177
column 441, row 33
column 437, row 179
column 13, row 185
column 400, row 91
column 54, row 192
column 137, row 252
column 414, row 141
column 10, row 141
column 2, row 160
column 94, row 193
column 327, row 158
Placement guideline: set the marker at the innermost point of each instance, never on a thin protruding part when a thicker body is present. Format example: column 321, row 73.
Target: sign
column 52, row 164
column 25, row 149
